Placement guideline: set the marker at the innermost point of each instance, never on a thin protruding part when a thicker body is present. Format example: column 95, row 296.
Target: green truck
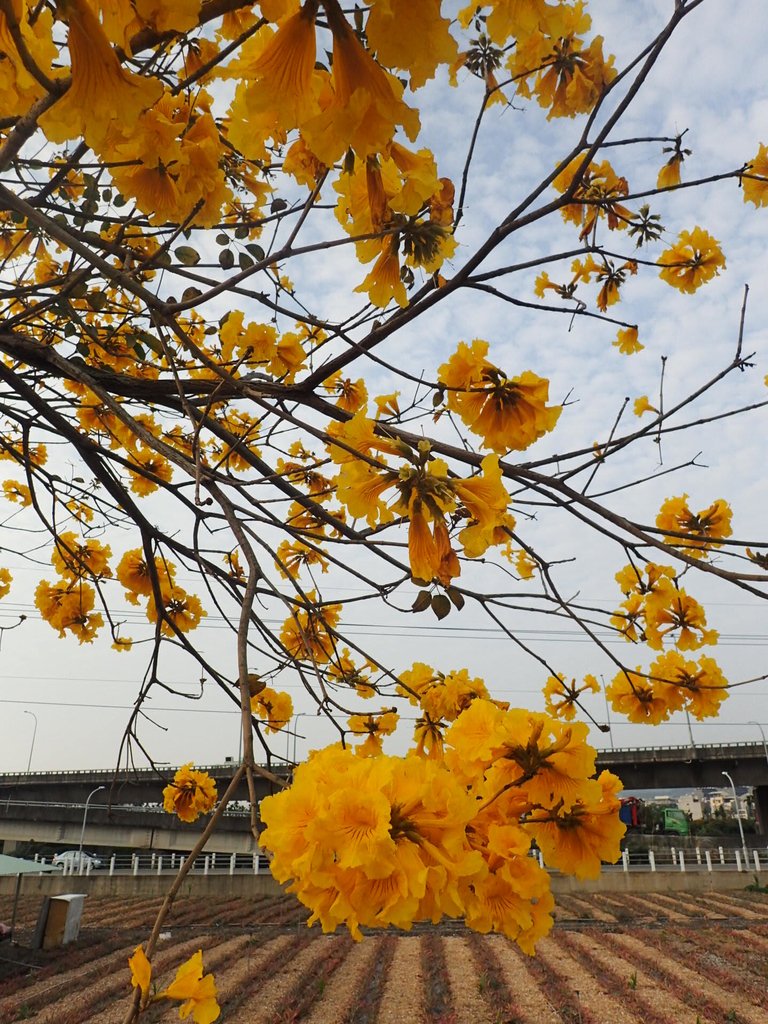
column 640, row 816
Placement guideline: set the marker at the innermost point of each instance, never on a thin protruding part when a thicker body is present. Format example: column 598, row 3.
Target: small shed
column 19, row 867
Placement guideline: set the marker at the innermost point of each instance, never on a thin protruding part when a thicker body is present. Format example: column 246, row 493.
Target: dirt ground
column 611, row 959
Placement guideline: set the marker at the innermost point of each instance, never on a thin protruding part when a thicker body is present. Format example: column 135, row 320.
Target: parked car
column 70, row 859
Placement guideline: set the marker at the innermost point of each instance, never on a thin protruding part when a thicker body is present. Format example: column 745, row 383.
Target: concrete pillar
column 698, row 855
column 708, row 856
column 255, row 863
column 652, row 860
column 722, row 854
column 160, row 864
column 682, row 860
column 673, row 851
column 756, row 856
column 135, row 865
column 112, row 865
column 232, row 860
column 738, row 860
column 761, row 809
column 625, row 860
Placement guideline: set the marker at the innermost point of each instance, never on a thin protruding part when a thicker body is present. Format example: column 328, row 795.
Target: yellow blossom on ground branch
column 196, row 991
column 190, row 794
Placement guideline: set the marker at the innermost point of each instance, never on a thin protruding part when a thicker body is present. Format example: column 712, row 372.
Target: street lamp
column 32, row 744
column 738, row 819
column 82, row 830
column 762, row 733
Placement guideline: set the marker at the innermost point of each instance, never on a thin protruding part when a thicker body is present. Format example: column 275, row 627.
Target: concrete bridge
column 694, row 767
column 49, row 806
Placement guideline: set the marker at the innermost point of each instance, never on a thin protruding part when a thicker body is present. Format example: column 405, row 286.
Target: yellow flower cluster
column 190, row 794
column 694, row 259
column 377, row 841
column 274, row 706
column 695, row 533
column 671, row 684
column 509, row 413
column 177, row 609
column 656, row 610
column 561, row 698
column 426, row 495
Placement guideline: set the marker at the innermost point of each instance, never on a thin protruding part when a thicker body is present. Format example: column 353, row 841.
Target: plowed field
column 610, row 960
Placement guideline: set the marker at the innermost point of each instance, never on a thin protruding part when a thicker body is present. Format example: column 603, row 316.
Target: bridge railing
column 751, row 861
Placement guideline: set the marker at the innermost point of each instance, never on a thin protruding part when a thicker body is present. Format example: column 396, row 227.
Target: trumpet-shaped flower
column 102, row 94
column 197, row 992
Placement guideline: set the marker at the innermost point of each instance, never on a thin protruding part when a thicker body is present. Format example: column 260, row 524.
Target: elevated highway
column 48, row 807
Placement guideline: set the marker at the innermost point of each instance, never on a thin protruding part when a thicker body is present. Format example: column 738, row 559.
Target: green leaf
column 256, row 251
column 187, row 256
column 456, row 597
column 97, row 301
column 226, row 259
column 441, row 606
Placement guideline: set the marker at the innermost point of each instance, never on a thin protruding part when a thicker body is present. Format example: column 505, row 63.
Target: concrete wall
column 226, row 886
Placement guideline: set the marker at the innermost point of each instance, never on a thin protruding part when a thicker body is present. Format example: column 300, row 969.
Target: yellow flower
column 641, row 699
column 366, row 106
column 283, row 71
column 190, row 794
column 307, row 633
column 177, row 609
column 693, row 260
column 5, row 582
column 486, row 499
column 702, row 684
column 134, row 574
column 580, row 839
column 141, row 971
column 669, row 175
column 755, row 186
column 560, row 697
column 602, row 187
column 674, row 611
column 411, row 36
column 626, row 341
column 509, row 413
column 17, row 492
column 102, row 94
column 75, row 558
column 197, row 993
column 642, row 406
column 697, row 528
column 383, row 282
column 273, row 705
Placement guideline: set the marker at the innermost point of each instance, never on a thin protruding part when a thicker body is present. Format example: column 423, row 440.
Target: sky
column 65, row 707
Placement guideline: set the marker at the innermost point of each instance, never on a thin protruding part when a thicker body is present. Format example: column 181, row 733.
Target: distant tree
column 199, row 418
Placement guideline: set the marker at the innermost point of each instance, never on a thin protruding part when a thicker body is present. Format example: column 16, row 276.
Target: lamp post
column 82, row 830
column 762, row 733
column 738, row 820
column 32, row 744
column 761, row 823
